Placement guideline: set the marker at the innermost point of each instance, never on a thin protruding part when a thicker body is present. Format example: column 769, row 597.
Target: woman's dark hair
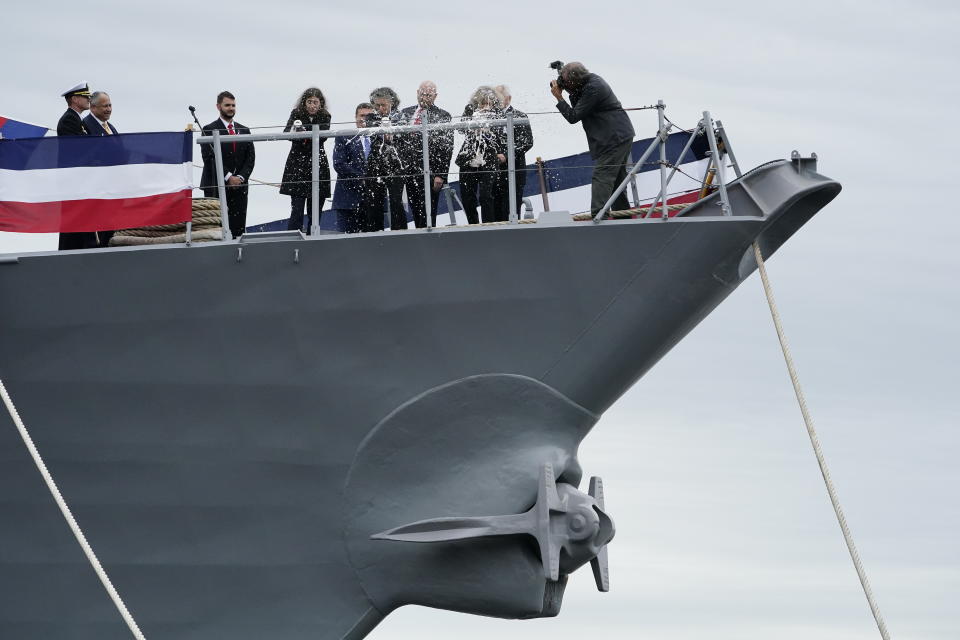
column 300, row 108
column 388, row 93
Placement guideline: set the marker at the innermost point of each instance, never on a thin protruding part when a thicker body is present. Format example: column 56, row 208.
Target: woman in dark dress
column 480, row 156
column 311, row 111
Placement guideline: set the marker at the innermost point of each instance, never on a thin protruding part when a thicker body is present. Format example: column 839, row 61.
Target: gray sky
column 724, row 527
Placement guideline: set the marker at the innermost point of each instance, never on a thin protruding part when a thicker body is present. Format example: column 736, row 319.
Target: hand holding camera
column 557, row 86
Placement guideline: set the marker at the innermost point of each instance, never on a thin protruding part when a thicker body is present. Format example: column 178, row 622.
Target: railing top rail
column 371, row 131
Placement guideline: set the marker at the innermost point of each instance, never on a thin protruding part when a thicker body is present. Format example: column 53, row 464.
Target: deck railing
column 719, row 146
column 424, row 129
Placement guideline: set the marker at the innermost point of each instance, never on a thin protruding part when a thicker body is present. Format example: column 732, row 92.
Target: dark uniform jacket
column 70, row 124
column 93, row 126
column 440, row 142
column 238, row 162
column 298, row 171
column 605, row 122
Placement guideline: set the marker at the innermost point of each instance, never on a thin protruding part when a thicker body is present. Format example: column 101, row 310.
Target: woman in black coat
column 480, row 157
column 311, row 111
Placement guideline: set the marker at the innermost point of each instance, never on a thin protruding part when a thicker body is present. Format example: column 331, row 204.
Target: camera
column 374, row 119
column 558, row 65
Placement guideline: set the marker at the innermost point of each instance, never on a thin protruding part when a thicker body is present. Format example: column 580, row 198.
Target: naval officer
column 78, row 101
column 70, row 124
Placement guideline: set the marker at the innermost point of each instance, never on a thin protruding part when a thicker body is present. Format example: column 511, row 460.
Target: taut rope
column 68, row 515
column 815, row 441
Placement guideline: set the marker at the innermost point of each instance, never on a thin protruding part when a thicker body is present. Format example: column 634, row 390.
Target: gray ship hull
column 202, row 407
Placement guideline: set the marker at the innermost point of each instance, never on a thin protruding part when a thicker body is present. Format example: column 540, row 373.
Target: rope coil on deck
column 640, row 212
column 206, row 227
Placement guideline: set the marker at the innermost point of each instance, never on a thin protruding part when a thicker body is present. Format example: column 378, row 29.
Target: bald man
column 441, row 151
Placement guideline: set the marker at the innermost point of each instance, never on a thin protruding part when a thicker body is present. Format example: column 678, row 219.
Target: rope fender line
column 817, row 450
column 68, row 515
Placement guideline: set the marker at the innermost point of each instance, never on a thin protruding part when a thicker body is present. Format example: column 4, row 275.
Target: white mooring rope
column 815, row 441
column 65, row 510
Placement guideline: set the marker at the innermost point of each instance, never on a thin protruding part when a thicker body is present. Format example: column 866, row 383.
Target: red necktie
column 419, row 115
column 233, row 133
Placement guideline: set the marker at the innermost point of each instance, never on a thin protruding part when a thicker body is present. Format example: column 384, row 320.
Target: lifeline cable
column 815, row 441
column 68, row 515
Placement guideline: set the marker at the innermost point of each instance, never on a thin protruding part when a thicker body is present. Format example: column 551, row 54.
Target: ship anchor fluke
column 571, row 528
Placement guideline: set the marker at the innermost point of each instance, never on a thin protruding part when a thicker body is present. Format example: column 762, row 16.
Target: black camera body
column 374, row 119
column 558, row 65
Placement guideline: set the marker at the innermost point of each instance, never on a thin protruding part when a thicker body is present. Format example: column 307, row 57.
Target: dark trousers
column 373, row 208
column 609, row 170
column 502, row 193
column 398, row 215
column 237, row 210
column 476, row 185
column 297, row 216
column 348, row 220
column 418, row 204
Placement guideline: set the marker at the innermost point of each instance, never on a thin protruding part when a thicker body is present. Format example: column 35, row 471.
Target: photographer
column 608, row 128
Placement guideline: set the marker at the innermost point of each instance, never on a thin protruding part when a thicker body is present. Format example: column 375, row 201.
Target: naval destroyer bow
column 291, row 437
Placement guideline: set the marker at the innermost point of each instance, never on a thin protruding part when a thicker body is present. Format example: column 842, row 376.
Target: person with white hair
column 97, row 122
column 522, row 142
column 480, row 156
column 440, row 150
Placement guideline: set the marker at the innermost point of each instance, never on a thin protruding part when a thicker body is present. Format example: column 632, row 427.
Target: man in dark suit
column 440, row 145
column 522, row 142
column 97, row 121
column 70, row 124
column 350, row 162
column 97, row 124
column 238, row 159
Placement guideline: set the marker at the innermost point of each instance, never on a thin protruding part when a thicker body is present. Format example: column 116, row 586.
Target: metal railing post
column 448, row 195
column 673, row 172
column 722, row 136
column 511, row 170
column 657, row 141
column 543, row 184
column 664, row 215
column 633, row 180
column 718, row 163
column 215, row 139
column 427, row 186
column 221, row 187
column 315, row 181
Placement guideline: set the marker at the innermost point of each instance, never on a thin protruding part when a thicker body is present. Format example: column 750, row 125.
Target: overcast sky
column 724, row 527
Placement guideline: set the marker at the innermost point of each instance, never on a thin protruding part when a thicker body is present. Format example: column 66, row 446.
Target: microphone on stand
column 193, row 112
